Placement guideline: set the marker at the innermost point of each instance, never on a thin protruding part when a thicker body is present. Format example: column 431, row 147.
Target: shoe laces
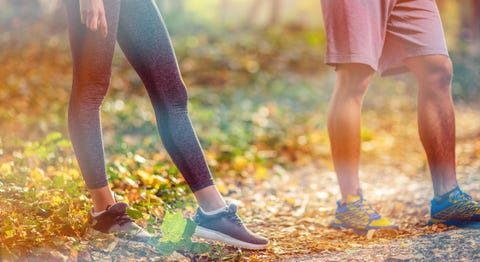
column 363, row 205
column 461, row 196
column 120, row 218
column 232, row 216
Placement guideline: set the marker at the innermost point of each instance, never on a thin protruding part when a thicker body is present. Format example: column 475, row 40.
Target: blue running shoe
column 455, row 208
column 358, row 214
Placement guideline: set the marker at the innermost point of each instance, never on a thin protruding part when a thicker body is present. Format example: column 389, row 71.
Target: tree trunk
column 252, row 15
column 476, row 23
column 275, row 13
column 224, row 6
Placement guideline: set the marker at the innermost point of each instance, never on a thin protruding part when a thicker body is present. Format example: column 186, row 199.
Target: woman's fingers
column 92, row 15
column 92, row 23
column 102, row 21
column 89, row 19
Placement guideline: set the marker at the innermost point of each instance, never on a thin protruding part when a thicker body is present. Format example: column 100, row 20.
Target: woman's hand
column 92, row 15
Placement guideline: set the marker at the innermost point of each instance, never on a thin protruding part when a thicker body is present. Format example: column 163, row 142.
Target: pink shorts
column 382, row 33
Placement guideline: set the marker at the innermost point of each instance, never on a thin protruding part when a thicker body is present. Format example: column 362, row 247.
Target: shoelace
column 367, row 208
column 461, row 196
column 232, row 216
column 122, row 219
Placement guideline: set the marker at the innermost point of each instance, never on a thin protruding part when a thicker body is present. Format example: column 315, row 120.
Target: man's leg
column 344, row 130
column 436, row 122
column 344, row 124
column 436, row 118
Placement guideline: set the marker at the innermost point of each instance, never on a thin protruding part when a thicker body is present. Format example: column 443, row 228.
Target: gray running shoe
column 228, row 228
column 115, row 220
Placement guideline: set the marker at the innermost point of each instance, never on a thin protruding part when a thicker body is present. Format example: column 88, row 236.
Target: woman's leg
column 92, row 57
column 145, row 41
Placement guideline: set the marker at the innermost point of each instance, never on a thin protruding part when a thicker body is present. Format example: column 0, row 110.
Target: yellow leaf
column 240, row 163
column 222, row 188
column 261, row 173
column 159, row 180
column 5, row 168
column 37, row 174
column 130, row 182
column 74, row 173
column 291, row 200
column 146, row 178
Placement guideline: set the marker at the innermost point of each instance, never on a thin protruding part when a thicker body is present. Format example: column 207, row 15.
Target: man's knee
column 353, row 79
column 441, row 71
column 434, row 71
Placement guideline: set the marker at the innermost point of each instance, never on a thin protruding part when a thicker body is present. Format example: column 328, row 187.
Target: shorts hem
column 398, row 67
column 350, row 59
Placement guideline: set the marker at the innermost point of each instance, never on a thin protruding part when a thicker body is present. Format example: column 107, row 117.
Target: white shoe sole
column 217, row 236
column 136, row 237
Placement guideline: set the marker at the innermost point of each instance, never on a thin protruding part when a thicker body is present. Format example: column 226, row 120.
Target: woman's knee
column 88, row 96
column 170, row 94
column 178, row 99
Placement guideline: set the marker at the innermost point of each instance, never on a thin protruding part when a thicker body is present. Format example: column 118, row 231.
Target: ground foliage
column 448, row 245
column 259, row 113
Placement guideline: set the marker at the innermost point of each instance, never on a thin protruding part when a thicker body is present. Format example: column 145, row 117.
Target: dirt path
column 299, row 226
column 452, row 245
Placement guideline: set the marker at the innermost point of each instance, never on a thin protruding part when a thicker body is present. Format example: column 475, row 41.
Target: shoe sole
column 362, row 231
column 133, row 238
column 217, row 236
column 123, row 237
column 457, row 223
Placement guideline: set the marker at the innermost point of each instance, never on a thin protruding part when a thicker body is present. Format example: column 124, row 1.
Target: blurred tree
column 255, row 14
column 171, row 7
column 13, row 13
column 462, row 21
column 469, row 25
column 476, row 10
column 19, row 15
column 50, row 6
column 223, row 9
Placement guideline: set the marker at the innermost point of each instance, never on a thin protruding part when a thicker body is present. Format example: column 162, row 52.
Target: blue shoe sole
column 457, row 223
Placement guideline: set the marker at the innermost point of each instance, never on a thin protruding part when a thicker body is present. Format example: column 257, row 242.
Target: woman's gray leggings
column 143, row 38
